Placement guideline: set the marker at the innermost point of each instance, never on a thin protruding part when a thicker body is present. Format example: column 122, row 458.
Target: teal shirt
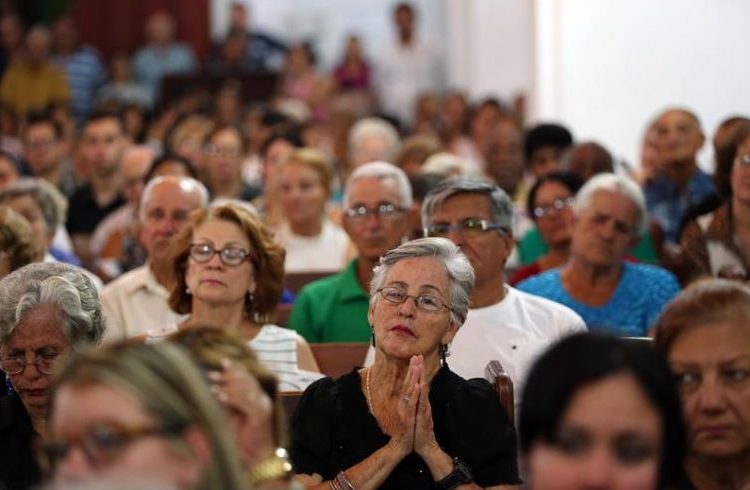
column 532, row 247
column 333, row 309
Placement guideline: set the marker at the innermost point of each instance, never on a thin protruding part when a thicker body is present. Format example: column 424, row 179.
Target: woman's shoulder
column 325, row 393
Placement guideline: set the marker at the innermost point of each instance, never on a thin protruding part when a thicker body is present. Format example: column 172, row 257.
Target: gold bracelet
column 277, row 467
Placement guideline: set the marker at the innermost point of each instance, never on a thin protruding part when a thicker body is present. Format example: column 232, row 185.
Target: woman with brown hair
column 228, row 273
column 705, row 335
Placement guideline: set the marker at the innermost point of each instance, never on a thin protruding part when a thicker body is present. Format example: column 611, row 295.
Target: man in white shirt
column 503, row 323
column 407, row 68
column 137, row 301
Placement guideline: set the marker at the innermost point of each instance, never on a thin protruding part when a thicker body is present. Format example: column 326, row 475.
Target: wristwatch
column 461, row 474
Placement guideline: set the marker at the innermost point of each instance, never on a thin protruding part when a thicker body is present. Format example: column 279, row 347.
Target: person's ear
column 450, row 333
column 199, row 444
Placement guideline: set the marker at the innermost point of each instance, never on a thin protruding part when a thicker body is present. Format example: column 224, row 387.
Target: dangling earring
column 444, row 353
column 187, row 291
column 372, row 330
column 250, row 297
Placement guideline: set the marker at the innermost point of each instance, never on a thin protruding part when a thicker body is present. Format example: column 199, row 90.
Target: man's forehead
column 173, row 195
column 677, row 114
column 373, row 189
column 102, row 127
column 462, row 206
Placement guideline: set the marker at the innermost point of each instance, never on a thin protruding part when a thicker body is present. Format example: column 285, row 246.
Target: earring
column 444, row 353
column 250, row 297
column 372, row 330
column 187, row 291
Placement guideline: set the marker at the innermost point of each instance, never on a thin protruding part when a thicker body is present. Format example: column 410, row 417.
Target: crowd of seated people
column 215, row 246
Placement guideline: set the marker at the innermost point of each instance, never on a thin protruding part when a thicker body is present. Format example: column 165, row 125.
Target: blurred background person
column 81, row 64
column 718, row 243
column 544, row 146
column 168, row 427
column 601, row 413
column 31, row 81
column 312, row 242
column 47, row 312
column 162, row 55
column 122, row 87
column 372, row 139
column 9, row 169
column 705, row 334
column 19, row 245
column 44, row 207
column 44, row 151
column 596, row 281
column 549, row 205
column 222, row 171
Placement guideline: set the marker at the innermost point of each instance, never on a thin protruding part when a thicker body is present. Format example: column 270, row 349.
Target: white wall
column 607, row 67
column 604, row 67
column 327, row 23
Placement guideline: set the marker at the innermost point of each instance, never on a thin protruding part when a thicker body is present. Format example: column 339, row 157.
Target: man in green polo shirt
column 376, row 198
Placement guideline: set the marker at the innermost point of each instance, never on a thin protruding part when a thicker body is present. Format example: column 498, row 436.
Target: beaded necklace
column 367, row 392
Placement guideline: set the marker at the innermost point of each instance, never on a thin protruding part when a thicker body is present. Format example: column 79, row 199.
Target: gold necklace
column 367, row 392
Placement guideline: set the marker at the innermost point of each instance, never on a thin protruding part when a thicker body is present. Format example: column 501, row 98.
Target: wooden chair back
column 338, row 358
column 503, row 385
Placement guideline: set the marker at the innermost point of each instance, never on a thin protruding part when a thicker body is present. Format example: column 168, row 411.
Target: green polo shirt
column 333, row 309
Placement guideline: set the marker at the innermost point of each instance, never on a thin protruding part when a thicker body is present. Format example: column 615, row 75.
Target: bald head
column 166, row 203
column 677, row 137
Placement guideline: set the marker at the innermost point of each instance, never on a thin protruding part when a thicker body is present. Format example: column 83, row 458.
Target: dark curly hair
column 268, row 260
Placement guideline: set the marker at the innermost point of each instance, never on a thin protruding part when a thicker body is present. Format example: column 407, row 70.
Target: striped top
column 276, row 348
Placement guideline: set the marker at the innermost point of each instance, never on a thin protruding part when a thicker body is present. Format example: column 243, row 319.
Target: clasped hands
column 412, row 430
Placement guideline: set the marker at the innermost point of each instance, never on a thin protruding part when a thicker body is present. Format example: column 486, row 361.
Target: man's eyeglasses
column 383, row 210
column 44, row 362
column 424, row 302
column 552, row 209
column 469, row 226
column 231, row 256
column 103, row 444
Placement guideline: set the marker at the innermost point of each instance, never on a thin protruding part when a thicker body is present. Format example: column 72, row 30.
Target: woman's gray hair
column 500, row 204
column 381, row 171
column 457, row 266
column 51, row 201
column 618, row 184
column 62, row 285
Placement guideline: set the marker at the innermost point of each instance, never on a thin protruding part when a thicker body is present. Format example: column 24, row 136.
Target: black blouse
column 18, row 467
column 332, row 430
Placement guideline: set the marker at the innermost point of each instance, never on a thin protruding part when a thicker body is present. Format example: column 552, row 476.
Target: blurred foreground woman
column 601, row 413
column 142, row 413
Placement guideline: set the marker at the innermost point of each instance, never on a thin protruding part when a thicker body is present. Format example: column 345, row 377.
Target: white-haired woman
column 408, row 421
column 597, row 282
column 47, row 311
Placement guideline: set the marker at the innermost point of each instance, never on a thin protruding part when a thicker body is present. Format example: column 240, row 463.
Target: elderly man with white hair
column 597, row 282
column 376, row 199
column 137, row 301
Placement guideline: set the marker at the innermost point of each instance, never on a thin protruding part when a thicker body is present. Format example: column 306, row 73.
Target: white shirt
column 135, row 303
column 514, row 331
column 326, row 252
column 276, row 349
column 405, row 72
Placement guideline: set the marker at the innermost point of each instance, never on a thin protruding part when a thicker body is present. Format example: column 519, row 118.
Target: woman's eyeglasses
column 103, row 444
column 424, row 302
column 554, row 208
column 44, row 361
column 231, row 256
